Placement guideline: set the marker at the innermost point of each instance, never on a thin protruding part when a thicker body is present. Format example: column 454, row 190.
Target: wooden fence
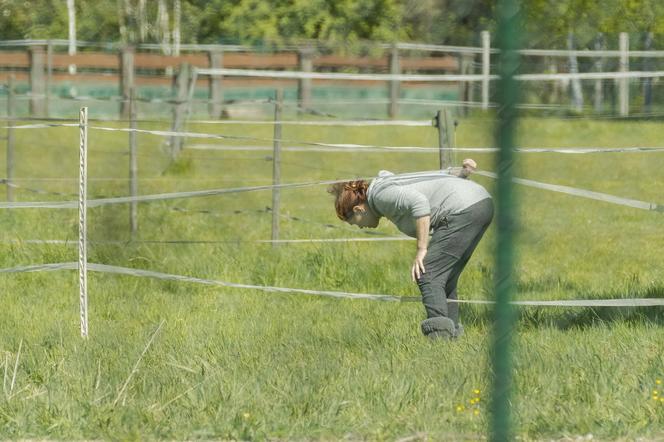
column 43, row 68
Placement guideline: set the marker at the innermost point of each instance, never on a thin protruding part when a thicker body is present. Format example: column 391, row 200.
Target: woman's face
column 363, row 217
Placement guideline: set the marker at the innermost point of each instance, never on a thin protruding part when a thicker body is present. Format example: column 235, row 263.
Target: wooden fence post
column 623, row 83
column 599, row 66
column 445, row 137
column 577, row 92
column 37, row 81
column 466, row 87
column 395, row 85
column 486, row 68
column 182, row 85
column 647, row 66
column 305, row 59
column 133, row 163
column 276, row 166
column 10, row 138
column 215, row 85
column 126, row 79
column 49, row 78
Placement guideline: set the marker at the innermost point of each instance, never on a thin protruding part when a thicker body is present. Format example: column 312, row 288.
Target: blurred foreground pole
column 10, row 138
column 507, row 92
column 82, row 222
column 276, row 166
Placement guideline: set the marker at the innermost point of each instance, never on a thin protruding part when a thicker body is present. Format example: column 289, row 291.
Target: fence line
column 397, row 149
column 212, row 192
column 103, row 268
column 584, row 193
column 68, row 242
column 344, row 146
column 295, row 47
column 299, row 75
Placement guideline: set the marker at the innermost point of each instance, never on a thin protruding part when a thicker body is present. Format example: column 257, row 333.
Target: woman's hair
column 348, row 195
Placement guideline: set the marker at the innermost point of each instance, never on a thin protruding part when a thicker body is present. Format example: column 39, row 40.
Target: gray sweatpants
column 450, row 248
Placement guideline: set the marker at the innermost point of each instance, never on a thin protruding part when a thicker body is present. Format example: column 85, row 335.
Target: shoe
column 439, row 327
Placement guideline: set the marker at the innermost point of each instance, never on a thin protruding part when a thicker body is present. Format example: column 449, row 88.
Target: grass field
column 184, row 361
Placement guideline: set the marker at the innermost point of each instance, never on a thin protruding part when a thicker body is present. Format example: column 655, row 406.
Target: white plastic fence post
column 82, row 221
column 623, row 83
column 486, row 67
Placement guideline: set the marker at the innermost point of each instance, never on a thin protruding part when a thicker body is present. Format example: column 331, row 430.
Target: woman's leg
column 442, row 256
column 481, row 214
column 449, row 250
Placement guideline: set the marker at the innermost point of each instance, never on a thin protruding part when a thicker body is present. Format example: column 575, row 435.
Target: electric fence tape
column 347, row 146
column 211, row 192
column 103, row 268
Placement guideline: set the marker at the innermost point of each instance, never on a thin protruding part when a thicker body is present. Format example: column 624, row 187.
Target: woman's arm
column 422, row 233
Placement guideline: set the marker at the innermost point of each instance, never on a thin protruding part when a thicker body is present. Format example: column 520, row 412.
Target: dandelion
column 655, row 392
column 472, row 401
column 246, row 415
column 476, row 412
column 459, row 408
column 658, row 382
column 476, row 391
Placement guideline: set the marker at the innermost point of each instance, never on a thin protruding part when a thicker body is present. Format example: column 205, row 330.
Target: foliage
column 335, row 22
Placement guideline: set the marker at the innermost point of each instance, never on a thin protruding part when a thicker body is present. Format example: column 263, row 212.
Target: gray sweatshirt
column 404, row 198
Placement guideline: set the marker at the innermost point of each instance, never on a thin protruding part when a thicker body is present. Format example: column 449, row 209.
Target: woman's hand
column 418, row 265
column 422, row 235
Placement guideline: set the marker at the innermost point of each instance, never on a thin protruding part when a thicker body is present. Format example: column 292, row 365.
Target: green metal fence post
column 507, row 92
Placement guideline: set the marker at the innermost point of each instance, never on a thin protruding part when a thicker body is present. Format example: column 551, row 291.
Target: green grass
column 245, row 364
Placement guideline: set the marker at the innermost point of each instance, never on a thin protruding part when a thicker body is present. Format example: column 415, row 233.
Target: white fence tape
column 299, row 75
column 619, row 302
column 160, row 197
column 397, row 149
column 414, row 123
column 42, row 267
column 583, row 193
column 211, row 192
column 345, row 146
column 68, row 242
column 352, row 146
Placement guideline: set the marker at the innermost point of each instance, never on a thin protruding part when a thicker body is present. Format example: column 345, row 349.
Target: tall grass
column 245, row 364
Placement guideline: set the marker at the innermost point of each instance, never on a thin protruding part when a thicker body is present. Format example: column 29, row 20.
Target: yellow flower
column 476, row 412
column 655, row 392
column 476, row 391
column 459, row 408
column 658, row 382
column 472, row 401
column 246, row 415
